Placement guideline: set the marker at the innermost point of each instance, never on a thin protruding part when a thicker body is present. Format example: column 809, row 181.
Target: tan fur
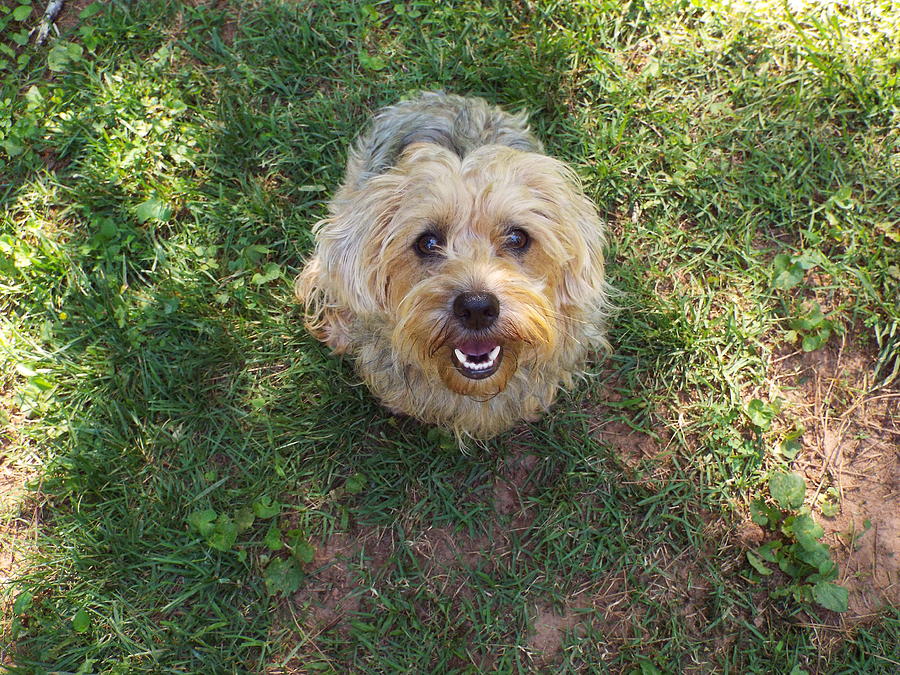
column 369, row 294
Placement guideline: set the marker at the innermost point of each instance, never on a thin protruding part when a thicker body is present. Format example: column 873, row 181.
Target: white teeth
column 483, row 365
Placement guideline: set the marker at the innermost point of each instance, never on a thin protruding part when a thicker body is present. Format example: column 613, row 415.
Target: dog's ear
column 325, row 318
column 341, row 281
column 583, row 289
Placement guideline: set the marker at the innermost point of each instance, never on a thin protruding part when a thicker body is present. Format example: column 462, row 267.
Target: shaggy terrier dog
column 459, row 266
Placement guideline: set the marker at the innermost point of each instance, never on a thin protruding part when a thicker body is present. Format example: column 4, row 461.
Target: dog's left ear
column 584, row 286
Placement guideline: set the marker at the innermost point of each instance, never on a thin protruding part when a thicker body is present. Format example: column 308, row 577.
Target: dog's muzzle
column 477, row 358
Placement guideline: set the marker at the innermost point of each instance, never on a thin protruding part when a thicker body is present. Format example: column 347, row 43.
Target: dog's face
column 479, row 266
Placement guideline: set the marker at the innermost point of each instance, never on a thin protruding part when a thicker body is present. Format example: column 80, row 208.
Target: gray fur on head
column 454, row 122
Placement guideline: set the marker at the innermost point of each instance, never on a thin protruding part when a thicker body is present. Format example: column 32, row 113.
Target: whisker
column 486, row 399
column 440, row 339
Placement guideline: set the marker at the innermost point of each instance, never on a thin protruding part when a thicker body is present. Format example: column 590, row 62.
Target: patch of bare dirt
column 615, row 609
column 69, row 16
column 750, row 535
column 616, row 615
column 515, row 481
column 630, row 446
column 622, row 611
column 12, row 488
column 851, row 442
column 643, row 453
column 440, row 549
column 14, row 528
column 549, row 628
column 332, row 595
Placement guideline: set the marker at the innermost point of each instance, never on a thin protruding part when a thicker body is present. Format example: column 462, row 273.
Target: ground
column 854, row 448
column 865, row 470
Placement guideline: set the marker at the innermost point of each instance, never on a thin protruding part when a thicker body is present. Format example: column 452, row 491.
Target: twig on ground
column 50, row 14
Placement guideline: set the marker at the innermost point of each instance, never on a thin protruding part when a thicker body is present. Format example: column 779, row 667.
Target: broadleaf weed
column 798, row 552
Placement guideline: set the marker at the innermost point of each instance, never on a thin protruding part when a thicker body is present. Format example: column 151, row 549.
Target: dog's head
column 478, row 266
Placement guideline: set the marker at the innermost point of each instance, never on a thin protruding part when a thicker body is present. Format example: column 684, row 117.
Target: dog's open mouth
column 477, row 359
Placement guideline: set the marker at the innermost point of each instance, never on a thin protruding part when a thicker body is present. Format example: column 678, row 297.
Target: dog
column 459, row 265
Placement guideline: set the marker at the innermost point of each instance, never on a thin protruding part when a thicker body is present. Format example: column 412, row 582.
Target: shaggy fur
column 447, row 196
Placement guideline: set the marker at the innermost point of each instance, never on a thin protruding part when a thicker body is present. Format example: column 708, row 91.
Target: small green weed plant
column 282, row 575
column 798, row 550
column 806, row 320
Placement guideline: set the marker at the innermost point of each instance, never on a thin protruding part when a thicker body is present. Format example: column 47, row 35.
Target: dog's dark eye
column 517, row 240
column 429, row 244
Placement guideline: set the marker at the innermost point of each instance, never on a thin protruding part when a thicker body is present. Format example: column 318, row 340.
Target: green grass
column 159, row 181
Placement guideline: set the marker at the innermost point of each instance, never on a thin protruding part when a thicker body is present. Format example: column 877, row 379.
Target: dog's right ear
column 346, row 279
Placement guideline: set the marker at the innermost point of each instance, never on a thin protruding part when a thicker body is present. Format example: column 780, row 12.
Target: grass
column 161, row 166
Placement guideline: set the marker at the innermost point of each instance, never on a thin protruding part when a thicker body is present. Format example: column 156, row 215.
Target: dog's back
column 454, row 122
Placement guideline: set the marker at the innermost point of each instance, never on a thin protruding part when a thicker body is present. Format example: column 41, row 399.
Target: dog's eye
column 516, row 240
column 429, row 244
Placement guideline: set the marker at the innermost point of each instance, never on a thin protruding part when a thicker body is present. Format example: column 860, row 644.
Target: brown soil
column 546, row 638
column 12, row 487
column 646, row 457
column 618, row 620
column 851, row 442
column 68, row 17
column 333, row 594
column 14, row 528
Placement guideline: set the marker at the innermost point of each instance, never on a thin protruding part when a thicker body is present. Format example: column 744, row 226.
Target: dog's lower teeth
column 488, row 363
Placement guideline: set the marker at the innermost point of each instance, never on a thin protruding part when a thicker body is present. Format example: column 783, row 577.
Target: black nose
column 476, row 311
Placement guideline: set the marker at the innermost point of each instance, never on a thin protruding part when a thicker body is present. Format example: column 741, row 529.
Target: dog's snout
column 476, row 311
